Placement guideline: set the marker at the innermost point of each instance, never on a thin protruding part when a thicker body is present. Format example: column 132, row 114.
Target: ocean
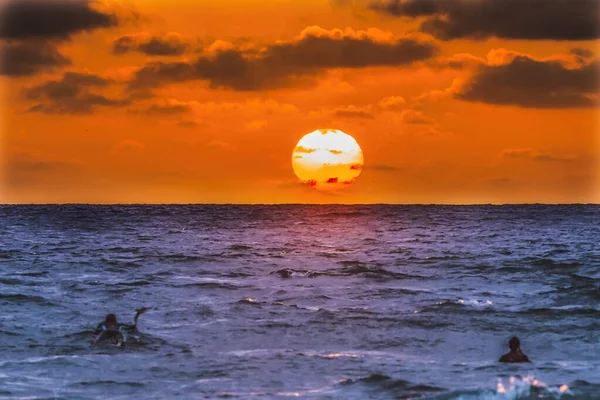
column 301, row 301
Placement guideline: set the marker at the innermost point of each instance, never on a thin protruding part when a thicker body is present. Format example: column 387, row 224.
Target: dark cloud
column 167, row 109
column 71, row 95
column 23, row 169
column 527, row 82
column 70, row 84
column 584, row 53
column 50, row 19
column 289, row 64
column 352, row 112
column 318, row 48
column 507, row 19
column 39, row 165
column 382, row 167
column 29, row 58
column 233, row 69
column 82, row 104
column 533, row 155
column 188, row 124
column 156, row 73
column 167, row 45
column 456, row 61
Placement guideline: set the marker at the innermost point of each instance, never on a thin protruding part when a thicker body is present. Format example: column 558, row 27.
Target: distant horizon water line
column 299, row 204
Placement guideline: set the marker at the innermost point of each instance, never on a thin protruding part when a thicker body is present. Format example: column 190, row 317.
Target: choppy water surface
column 340, row 302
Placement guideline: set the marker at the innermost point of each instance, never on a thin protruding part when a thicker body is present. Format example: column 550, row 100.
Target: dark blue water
column 319, row 302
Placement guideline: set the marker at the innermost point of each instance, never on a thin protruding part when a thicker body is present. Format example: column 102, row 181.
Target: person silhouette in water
column 111, row 329
column 515, row 355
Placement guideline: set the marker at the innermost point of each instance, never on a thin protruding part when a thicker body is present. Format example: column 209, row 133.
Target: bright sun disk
column 327, row 159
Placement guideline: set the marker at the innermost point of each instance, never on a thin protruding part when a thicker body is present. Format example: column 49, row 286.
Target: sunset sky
column 204, row 101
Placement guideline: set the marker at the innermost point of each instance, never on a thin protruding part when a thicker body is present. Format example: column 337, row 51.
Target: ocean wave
column 108, row 383
column 369, row 270
column 549, row 263
column 8, row 254
column 570, row 310
column 239, row 247
column 34, row 274
column 357, row 268
column 135, row 283
column 459, row 304
column 16, row 282
column 349, row 268
column 207, row 283
column 250, row 301
column 119, row 249
column 268, row 277
column 511, row 269
column 119, row 265
column 59, row 359
column 237, row 274
column 296, row 273
column 513, row 388
column 18, row 298
column 178, row 257
column 380, row 382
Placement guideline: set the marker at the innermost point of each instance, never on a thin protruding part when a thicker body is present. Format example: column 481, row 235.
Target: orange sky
column 510, row 119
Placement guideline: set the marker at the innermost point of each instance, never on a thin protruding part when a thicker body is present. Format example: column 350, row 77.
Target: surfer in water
column 112, row 330
column 515, row 355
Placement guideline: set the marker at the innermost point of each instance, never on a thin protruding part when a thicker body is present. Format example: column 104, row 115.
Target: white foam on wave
column 195, row 279
column 475, row 302
column 333, row 354
column 209, row 380
column 515, row 388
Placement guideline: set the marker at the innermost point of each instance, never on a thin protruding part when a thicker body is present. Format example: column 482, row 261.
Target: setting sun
column 204, row 161
column 327, row 159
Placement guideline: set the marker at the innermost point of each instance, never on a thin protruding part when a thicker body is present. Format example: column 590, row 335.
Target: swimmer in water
column 516, row 355
column 110, row 329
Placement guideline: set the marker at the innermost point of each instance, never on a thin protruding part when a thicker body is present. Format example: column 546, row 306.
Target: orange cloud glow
column 204, row 101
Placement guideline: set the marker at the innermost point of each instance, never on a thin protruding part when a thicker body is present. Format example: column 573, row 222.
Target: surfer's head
column 514, row 343
column 111, row 319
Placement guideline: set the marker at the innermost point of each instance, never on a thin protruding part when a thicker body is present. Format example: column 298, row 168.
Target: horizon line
column 297, row 204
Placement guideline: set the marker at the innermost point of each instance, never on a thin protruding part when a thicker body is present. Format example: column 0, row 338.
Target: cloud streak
column 506, row 19
column 289, row 64
column 533, row 155
column 29, row 58
column 51, row 19
column 72, row 95
column 524, row 81
column 164, row 45
column 353, row 112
